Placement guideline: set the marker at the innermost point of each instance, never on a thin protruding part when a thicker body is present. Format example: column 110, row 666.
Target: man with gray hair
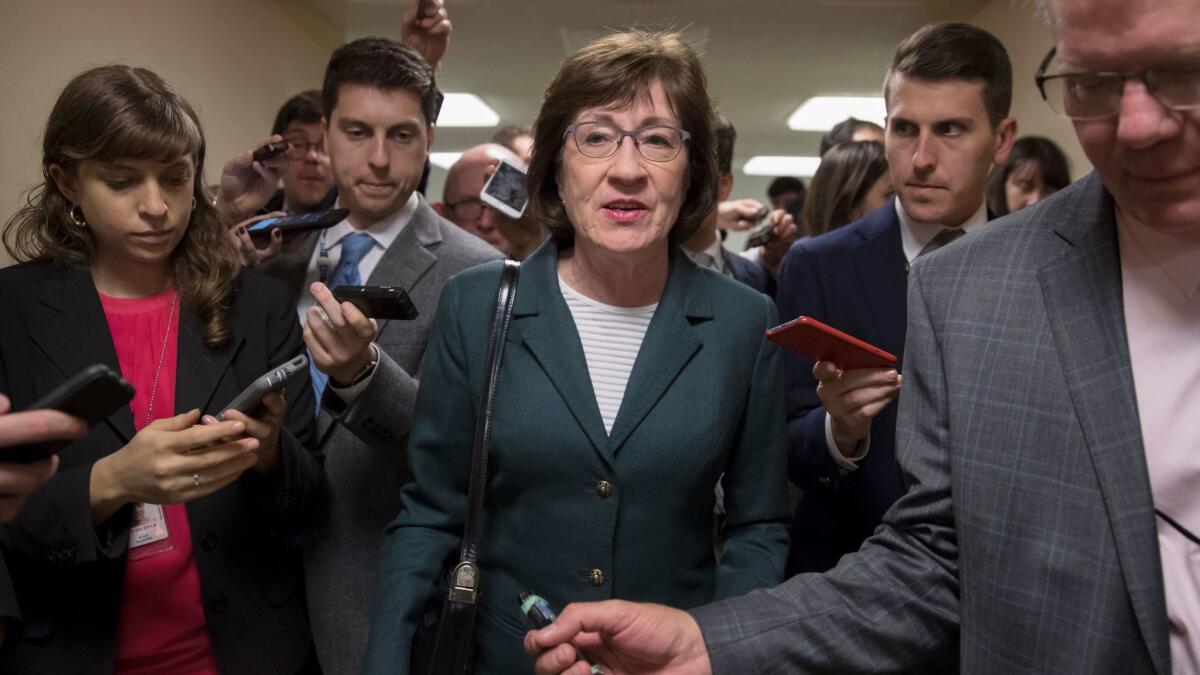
column 1048, row 427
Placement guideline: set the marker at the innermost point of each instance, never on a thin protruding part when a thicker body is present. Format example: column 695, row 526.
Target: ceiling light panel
column 821, row 113
column 466, row 110
column 781, row 165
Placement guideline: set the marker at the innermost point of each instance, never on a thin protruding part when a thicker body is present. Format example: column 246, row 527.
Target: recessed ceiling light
column 821, row 113
column 781, row 165
column 466, row 110
column 444, row 160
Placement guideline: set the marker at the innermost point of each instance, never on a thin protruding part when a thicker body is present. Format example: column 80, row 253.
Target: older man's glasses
column 1092, row 96
column 599, row 140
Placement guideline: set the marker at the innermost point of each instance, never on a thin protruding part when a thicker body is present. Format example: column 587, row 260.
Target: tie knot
column 355, row 246
column 942, row 238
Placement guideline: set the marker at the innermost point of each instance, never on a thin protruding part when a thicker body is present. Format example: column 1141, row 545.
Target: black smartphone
column 301, row 222
column 762, row 231
column 92, row 395
column 379, row 302
column 270, row 150
column 274, row 379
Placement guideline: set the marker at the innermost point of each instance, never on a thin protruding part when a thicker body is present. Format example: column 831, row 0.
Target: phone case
column 298, row 223
column 379, row 302
column 273, row 380
column 92, row 395
column 821, row 342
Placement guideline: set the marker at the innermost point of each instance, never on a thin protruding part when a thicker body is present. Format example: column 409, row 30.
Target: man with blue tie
column 380, row 102
column 948, row 91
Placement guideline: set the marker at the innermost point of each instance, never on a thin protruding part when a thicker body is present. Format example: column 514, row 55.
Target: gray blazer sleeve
column 382, row 413
column 892, row 606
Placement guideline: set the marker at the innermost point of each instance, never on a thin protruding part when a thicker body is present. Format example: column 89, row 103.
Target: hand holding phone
column 270, row 150
column 300, row 222
column 822, row 342
column 91, row 395
column 378, row 302
column 273, row 380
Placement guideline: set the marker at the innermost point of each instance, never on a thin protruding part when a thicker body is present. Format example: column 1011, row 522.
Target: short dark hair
column 615, row 69
column 783, row 185
column 304, row 108
column 384, row 64
column 956, row 51
column 843, row 132
column 726, row 139
column 1050, row 161
column 843, row 179
column 506, row 134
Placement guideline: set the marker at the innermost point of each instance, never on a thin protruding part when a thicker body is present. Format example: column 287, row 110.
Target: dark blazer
column 68, row 574
column 749, row 272
column 853, row 279
column 364, row 444
column 575, row 513
column 1027, row 541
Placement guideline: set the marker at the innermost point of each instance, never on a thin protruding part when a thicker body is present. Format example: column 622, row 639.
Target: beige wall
column 236, row 61
column 1027, row 41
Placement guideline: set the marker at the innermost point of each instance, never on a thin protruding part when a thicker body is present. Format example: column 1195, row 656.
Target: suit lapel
column 547, row 329
column 880, row 263
column 406, row 261
column 72, row 331
column 1082, row 292
column 198, row 369
column 669, row 345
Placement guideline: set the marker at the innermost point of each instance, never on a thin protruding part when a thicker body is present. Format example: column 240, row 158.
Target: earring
column 194, row 202
column 78, row 220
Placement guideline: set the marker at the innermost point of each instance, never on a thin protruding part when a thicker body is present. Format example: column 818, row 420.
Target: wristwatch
column 362, row 374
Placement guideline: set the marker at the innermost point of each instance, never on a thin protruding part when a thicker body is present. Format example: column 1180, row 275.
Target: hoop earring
column 194, row 204
column 79, row 220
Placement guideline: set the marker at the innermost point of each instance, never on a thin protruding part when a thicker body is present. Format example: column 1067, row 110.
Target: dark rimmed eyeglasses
column 599, row 140
column 1092, row 96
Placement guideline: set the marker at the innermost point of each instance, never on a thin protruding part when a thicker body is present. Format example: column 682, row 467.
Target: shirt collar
column 1177, row 255
column 384, row 231
column 711, row 257
column 915, row 235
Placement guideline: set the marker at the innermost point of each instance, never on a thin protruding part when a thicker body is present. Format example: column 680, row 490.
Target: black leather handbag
column 445, row 638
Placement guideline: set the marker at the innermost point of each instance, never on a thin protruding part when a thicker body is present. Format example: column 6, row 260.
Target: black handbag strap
column 473, row 530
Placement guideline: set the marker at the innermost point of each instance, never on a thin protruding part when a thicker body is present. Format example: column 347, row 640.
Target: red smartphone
column 822, row 342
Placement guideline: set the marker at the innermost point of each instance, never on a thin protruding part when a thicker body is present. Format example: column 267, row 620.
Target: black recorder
column 92, row 395
column 378, row 302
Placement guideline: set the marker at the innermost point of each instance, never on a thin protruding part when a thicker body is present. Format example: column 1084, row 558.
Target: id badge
column 149, row 534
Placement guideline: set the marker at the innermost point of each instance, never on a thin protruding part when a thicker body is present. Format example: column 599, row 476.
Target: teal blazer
column 573, row 513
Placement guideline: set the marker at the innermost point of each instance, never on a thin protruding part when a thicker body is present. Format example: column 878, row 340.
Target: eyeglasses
column 599, row 140
column 298, row 148
column 1093, row 96
column 467, row 209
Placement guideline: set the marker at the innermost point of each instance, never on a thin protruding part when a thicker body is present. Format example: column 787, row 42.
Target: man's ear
column 432, row 129
column 65, row 182
column 441, row 210
column 724, row 187
column 1006, row 135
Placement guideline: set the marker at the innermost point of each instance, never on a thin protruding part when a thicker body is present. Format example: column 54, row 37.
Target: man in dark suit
column 705, row 248
column 379, row 102
column 948, row 92
column 1047, row 424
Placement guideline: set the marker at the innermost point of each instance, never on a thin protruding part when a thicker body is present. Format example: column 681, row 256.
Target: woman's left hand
column 265, row 427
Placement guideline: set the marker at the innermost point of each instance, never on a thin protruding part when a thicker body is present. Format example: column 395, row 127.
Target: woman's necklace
column 162, row 354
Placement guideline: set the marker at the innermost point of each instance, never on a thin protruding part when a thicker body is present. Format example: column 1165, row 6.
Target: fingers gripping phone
column 505, row 190
column 378, row 302
column 762, row 232
column 822, row 342
column 273, row 380
column 92, row 395
column 297, row 223
column 263, row 153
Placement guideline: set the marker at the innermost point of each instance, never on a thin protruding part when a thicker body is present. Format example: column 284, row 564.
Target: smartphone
column 273, row 380
column 270, row 150
column 92, row 395
column 505, row 190
column 378, row 302
column 821, row 342
column 297, row 223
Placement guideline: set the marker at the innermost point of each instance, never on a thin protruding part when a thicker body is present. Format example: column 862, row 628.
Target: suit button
column 603, row 488
column 218, row 604
column 208, row 542
column 597, row 577
column 824, row 480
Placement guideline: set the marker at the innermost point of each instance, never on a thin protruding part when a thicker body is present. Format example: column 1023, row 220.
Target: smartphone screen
column 507, row 186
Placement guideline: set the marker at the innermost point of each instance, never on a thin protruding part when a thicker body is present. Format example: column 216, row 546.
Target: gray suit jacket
column 364, row 444
column 1026, row 540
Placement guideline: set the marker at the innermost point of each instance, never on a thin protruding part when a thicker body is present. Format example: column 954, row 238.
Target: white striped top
column 611, row 337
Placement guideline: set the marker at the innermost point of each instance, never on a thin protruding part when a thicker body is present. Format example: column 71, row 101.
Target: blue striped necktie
column 354, row 248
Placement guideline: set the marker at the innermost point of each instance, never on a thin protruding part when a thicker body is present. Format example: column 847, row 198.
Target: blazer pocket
column 498, row 617
column 281, row 587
